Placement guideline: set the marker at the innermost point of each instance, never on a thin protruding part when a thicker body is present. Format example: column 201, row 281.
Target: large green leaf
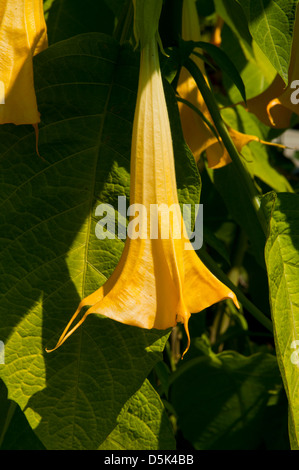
column 282, row 260
column 67, row 18
column 221, row 401
column 253, row 65
column 50, row 257
column 271, row 25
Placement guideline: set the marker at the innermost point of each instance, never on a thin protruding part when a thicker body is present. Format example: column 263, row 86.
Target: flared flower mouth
column 158, row 281
column 23, row 34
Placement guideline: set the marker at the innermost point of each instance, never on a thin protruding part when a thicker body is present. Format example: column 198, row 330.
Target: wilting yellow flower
column 22, row 35
column 259, row 105
column 274, row 106
column 216, row 38
column 159, row 280
column 197, row 133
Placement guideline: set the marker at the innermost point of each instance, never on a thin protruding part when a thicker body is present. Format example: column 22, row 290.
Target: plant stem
column 222, row 319
column 123, row 29
column 8, row 418
column 212, row 106
column 255, row 312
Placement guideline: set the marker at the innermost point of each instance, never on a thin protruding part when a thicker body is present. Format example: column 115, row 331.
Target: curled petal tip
column 36, row 130
column 188, row 339
column 233, row 297
column 270, row 106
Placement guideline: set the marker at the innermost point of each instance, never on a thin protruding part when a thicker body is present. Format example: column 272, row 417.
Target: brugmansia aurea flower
column 275, row 106
column 216, row 35
column 23, row 34
column 198, row 135
column 159, row 281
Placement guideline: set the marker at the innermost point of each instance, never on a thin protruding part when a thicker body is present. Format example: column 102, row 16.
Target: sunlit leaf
column 282, row 259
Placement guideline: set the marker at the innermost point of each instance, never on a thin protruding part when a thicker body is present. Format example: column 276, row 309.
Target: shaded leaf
column 142, row 424
column 225, row 64
column 221, row 401
column 15, row 431
column 231, row 189
column 67, row 18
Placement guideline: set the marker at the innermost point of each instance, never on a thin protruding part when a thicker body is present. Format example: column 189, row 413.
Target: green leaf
column 142, row 424
column 116, row 5
column 67, row 18
column 225, row 64
column 15, row 432
column 186, row 48
column 253, row 66
column 50, row 256
column 221, row 401
column 217, row 244
column 282, row 260
column 234, row 16
column 205, row 7
column 202, row 116
column 271, row 25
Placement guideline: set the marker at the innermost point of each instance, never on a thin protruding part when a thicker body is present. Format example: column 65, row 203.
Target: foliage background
column 117, row 387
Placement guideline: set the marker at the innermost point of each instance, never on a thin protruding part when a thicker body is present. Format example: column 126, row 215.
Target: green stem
column 212, row 106
column 124, row 26
column 8, row 418
column 242, row 245
column 255, row 312
column 222, row 320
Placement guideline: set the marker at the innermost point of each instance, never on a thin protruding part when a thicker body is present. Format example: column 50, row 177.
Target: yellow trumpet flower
column 216, row 38
column 274, row 107
column 159, row 280
column 23, row 34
